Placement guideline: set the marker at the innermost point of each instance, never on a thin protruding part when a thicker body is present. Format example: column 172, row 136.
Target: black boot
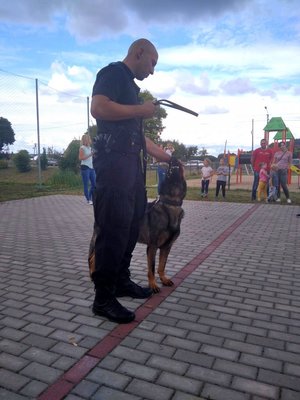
column 131, row 289
column 106, row 305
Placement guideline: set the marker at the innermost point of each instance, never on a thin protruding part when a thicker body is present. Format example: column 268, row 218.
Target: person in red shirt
column 261, row 155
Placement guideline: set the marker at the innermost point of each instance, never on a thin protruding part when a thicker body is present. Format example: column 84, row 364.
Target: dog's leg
column 163, row 256
column 151, row 254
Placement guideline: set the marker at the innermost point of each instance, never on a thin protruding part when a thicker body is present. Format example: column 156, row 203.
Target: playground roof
column 275, row 124
column 288, row 135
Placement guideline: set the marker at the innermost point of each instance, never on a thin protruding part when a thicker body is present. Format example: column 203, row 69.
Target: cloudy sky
column 232, row 61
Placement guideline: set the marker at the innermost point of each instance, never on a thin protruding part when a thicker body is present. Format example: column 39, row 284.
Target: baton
column 171, row 104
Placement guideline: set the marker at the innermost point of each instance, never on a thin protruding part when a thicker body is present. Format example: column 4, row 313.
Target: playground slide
column 295, row 169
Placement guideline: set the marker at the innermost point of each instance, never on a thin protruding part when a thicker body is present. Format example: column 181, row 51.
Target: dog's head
column 173, row 188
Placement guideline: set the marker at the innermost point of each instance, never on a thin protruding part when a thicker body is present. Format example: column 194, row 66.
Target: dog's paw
column 166, row 281
column 153, row 285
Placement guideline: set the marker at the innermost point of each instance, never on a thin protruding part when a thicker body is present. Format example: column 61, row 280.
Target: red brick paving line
column 59, row 389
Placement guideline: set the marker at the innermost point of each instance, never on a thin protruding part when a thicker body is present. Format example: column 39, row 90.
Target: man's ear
column 139, row 53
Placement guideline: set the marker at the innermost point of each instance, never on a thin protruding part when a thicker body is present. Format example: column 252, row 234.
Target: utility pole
column 38, row 133
column 88, row 114
column 252, row 134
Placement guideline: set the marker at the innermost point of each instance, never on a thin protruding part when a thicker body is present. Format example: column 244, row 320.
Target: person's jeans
column 88, row 176
column 282, row 181
column 204, row 186
column 255, row 185
column 220, row 185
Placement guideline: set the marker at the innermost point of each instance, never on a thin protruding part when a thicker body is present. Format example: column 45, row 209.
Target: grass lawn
column 15, row 185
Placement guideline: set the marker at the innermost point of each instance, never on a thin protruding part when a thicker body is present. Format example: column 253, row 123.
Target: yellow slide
column 295, row 169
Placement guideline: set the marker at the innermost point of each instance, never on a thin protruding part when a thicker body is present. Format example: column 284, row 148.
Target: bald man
column 120, row 196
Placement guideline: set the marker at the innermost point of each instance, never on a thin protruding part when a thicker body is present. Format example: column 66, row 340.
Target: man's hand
column 148, row 109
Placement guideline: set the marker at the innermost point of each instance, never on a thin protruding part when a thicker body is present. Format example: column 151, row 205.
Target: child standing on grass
column 207, row 173
column 263, row 182
column 273, row 183
column 222, row 173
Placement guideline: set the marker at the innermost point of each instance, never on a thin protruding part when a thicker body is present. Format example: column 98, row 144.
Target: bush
column 3, row 164
column 22, row 161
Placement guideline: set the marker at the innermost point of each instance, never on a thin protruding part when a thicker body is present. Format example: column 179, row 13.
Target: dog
column 160, row 226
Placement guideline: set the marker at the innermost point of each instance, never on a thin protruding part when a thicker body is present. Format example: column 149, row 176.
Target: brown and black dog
column 160, row 226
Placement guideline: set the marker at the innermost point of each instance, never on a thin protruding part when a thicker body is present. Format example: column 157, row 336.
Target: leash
column 168, row 103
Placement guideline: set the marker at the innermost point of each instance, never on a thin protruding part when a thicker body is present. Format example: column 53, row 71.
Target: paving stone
column 216, row 392
column 149, row 391
column 11, row 362
column 130, row 354
column 41, row 372
column 138, row 371
column 11, row 347
column 236, row 368
column 194, row 358
column 262, row 362
column 181, row 383
column 112, row 394
column 109, row 378
column 39, row 355
column 219, row 352
column 11, row 380
column 85, row 389
column 181, row 343
column 68, row 350
column 33, row 389
column 283, row 380
column 167, row 364
column 12, row 334
column 39, row 341
column 6, row 395
column 255, row 387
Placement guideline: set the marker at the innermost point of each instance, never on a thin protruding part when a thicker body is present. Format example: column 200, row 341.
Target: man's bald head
column 141, row 58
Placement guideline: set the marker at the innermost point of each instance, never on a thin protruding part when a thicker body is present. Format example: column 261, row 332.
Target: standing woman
column 86, row 167
column 283, row 159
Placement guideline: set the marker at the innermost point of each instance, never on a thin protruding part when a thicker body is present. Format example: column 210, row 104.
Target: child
column 263, row 181
column 207, row 173
column 222, row 173
column 273, row 183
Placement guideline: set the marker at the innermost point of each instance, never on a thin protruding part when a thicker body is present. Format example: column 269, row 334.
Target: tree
column 22, row 161
column 70, row 158
column 153, row 127
column 203, row 152
column 44, row 160
column 7, row 134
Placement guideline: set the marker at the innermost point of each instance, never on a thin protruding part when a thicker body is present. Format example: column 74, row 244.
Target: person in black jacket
column 120, row 196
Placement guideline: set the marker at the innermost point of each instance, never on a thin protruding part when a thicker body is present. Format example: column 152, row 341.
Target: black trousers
column 222, row 185
column 119, row 205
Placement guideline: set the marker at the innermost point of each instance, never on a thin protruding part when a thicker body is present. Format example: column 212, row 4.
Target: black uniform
column 120, row 198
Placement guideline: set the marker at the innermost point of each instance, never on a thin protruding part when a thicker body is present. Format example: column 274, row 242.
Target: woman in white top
column 86, row 167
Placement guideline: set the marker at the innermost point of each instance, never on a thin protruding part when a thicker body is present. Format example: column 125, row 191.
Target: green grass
column 15, row 185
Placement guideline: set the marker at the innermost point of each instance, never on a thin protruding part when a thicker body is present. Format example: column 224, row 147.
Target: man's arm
column 156, row 152
column 102, row 107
